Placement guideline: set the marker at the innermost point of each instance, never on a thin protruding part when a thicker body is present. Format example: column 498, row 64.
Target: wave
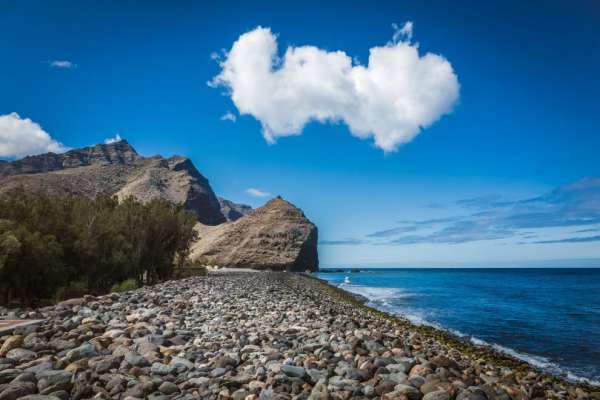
column 376, row 293
column 386, row 299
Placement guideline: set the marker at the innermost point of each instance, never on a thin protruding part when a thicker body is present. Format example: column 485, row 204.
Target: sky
column 412, row 133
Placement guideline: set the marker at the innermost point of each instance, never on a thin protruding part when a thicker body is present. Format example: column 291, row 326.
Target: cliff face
column 115, row 169
column 118, row 153
column 233, row 211
column 277, row 236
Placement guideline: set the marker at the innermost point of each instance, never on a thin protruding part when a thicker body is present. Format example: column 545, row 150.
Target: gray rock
column 405, row 390
column 9, row 374
column 135, row 359
column 61, row 344
column 16, row 390
column 181, row 362
column 168, row 388
column 21, row 355
column 53, row 377
column 215, row 373
column 43, row 366
column 317, row 374
column 291, row 370
column 162, row 369
column 84, row 351
column 437, row 395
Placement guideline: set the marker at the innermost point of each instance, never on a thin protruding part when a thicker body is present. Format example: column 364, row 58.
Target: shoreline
column 461, row 343
column 248, row 336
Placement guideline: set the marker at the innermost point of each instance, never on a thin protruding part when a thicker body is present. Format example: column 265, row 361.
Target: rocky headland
column 277, row 236
column 250, row 336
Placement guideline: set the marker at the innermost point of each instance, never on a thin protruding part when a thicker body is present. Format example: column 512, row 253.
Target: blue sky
column 525, row 124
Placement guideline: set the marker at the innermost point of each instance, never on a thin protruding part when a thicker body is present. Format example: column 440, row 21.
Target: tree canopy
column 56, row 246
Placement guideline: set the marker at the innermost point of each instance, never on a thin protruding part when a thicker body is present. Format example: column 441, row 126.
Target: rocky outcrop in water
column 115, row 169
column 277, row 236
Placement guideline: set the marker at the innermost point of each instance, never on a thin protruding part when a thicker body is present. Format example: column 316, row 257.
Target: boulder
column 277, row 236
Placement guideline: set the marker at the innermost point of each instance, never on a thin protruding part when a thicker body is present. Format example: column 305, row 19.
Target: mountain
column 233, row 211
column 115, row 169
column 117, row 153
column 276, row 236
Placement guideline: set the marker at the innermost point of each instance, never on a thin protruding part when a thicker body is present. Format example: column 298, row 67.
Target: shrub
column 61, row 246
column 72, row 290
column 125, row 286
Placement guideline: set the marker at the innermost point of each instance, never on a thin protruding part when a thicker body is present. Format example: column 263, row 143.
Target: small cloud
column 585, row 239
column 573, row 205
column 485, row 202
column 229, row 116
column 588, row 230
column 342, row 242
column 404, row 33
column 22, row 137
column 393, row 231
column 257, row 192
column 435, row 206
column 64, row 64
column 115, row 139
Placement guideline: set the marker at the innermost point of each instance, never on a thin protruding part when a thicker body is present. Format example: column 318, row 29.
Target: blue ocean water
column 548, row 317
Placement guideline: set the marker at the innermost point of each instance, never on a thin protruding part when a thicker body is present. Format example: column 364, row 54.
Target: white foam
column 540, row 362
column 376, row 293
column 380, row 298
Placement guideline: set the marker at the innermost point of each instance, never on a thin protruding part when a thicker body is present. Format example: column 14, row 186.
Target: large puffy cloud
column 21, row 137
column 391, row 99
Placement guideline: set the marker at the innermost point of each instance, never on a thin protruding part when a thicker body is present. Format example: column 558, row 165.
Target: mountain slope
column 115, row 169
column 233, row 211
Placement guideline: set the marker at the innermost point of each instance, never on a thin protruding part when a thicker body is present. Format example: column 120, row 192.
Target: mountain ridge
column 116, row 169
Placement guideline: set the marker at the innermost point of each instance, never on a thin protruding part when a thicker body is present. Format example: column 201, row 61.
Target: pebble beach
column 247, row 336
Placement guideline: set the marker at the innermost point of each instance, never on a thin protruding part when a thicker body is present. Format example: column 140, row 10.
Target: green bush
column 59, row 246
column 125, row 286
column 72, row 290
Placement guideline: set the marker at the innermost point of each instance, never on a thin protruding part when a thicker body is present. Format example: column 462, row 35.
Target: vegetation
column 129, row 284
column 59, row 246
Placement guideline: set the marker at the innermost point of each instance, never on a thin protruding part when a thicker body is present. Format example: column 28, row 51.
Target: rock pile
column 245, row 336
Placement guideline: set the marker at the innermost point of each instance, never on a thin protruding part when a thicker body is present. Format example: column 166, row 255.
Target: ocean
column 548, row 317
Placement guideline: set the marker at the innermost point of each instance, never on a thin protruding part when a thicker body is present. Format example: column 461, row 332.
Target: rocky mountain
column 115, row 169
column 276, row 236
column 118, row 153
column 233, row 211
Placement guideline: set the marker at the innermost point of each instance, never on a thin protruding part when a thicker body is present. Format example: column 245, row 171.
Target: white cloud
column 390, row 99
column 229, row 116
column 257, row 192
column 402, row 33
column 65, row 64
column 116, row 139
column 21, row 137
